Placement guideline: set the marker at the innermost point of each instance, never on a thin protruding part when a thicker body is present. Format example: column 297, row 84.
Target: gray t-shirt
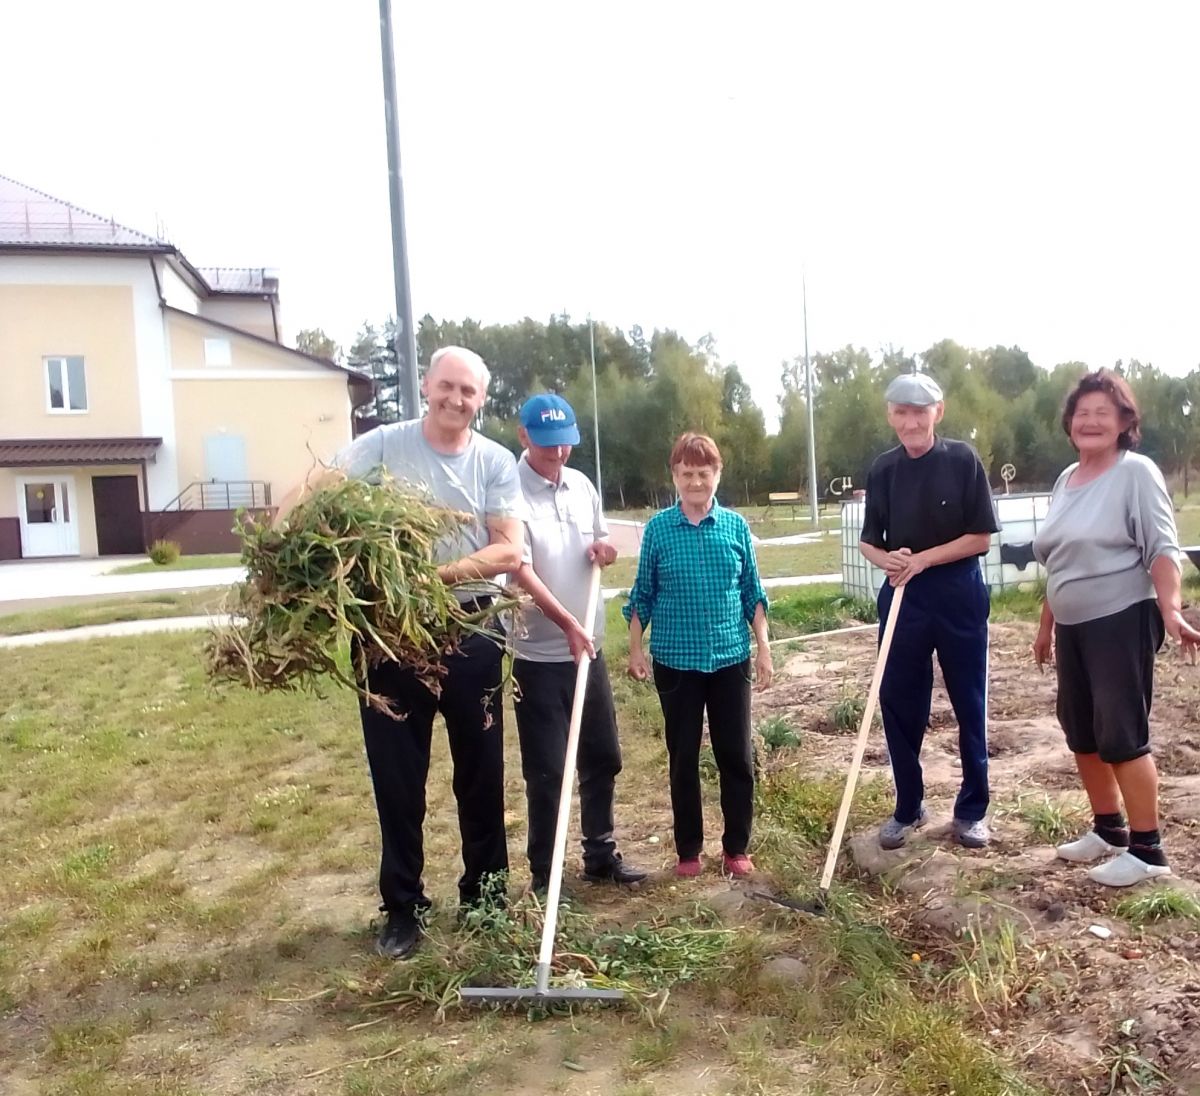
column 561, row 520
column 480, row 481
column 1099, row 540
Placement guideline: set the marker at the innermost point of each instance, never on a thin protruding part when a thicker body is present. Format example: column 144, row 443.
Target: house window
column 217, row 352
column 66, row 385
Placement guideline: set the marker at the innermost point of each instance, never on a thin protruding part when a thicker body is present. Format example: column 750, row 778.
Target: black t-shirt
column 919, row 503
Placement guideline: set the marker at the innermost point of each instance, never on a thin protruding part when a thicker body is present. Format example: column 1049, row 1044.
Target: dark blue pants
column 945, row 609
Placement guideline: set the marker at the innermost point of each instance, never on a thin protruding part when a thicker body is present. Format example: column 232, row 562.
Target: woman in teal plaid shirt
column 697, row 589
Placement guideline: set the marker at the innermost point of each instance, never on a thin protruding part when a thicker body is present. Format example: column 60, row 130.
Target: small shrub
column 778, row 732
column 164, row 552
column 847, row 713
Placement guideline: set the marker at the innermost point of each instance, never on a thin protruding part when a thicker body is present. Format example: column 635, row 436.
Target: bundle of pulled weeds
column 350, row 566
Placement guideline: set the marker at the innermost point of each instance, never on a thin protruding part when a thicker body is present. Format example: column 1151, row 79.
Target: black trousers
column 543, row 709
column 1106, row 681
column 685, row 695
column 398, row 753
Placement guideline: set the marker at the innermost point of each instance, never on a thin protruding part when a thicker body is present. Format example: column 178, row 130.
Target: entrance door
column 47, row 508
column 118, row 516
column 225, row 466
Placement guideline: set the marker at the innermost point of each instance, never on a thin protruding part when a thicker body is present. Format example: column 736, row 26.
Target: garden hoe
column 541, row 993
column 819, row 905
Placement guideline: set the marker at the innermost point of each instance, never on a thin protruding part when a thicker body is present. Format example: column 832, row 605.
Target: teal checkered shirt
column 697, row 589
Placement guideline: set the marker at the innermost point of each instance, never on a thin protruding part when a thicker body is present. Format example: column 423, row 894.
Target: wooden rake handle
column 860, row 747
column 549, row 928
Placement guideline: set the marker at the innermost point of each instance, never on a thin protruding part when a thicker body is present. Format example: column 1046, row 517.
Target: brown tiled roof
column 34, row 452
column 29, row 218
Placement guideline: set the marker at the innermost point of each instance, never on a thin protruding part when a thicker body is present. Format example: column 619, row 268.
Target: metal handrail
column 222, row 495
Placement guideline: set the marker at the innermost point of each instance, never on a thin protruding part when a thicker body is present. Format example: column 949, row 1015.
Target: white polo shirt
column 561, row 521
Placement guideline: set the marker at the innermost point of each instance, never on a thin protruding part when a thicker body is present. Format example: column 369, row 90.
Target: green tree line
column 651, row 389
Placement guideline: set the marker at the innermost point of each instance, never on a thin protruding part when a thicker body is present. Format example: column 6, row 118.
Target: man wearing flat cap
column 565, row 534
column 929, row 517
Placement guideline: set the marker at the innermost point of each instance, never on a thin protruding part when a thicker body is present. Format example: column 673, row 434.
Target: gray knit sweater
column 1098, row 541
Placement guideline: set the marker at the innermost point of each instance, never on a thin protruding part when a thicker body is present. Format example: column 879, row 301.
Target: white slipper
column 1126, row 870
column 1091, row 846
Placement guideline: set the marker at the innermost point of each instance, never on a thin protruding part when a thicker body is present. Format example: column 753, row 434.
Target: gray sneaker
column 893, row 833
column 972, row 835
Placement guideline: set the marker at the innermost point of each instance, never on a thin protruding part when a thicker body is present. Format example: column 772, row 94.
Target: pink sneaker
column 738, row 866
column 688, row 869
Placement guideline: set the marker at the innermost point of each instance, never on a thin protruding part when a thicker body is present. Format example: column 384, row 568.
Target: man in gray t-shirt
column 565, row 536
column 464, row 471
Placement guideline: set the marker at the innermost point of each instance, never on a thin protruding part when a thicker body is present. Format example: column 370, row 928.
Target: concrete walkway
column 192, row 623
column 37, row 580
column 109, row 631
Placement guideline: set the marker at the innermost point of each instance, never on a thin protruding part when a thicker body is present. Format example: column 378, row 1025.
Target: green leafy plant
column 1127, row 1069
column 846, row 714
column 777, row 732
column 1158, row 904
column 1052, row 820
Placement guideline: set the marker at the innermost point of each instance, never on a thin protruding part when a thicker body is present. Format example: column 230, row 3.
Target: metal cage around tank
column 1009, row 562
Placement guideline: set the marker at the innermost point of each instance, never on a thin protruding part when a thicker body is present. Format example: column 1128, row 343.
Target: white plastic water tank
column 1008, row 562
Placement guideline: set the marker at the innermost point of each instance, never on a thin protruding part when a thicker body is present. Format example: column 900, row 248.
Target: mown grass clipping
column 350, row 566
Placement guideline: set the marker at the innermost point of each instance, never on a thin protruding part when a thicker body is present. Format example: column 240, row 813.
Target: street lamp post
column 595, row 406
column 1187, row 441
column 407, row 390
column 808, row 396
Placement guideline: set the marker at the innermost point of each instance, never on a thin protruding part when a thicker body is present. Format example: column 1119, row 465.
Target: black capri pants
column 1106, row 681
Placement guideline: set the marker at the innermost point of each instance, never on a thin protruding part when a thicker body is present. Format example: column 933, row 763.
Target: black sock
column 1146, row 845
column 1113, row 828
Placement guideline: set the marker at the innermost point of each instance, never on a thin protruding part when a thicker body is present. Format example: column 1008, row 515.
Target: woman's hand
column 1043, row 648
column 639, row 668
column 764, row 668
column 1182, row 633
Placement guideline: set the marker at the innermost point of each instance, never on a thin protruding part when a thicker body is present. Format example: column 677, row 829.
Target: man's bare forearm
column 969, row 544
column 550, row 606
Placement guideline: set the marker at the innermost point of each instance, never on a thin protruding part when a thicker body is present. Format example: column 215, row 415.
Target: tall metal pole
column 808, row 397
column 595, row 407
column 407, row 390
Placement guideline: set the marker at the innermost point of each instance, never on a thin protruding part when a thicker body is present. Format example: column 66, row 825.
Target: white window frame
column 218, row 353
column 66, row 408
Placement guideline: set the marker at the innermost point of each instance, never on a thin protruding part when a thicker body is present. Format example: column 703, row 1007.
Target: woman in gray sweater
column 1111, row 555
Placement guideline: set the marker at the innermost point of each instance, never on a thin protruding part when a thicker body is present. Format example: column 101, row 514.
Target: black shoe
column 400, row 935
column 614, row 871
column 539, row 884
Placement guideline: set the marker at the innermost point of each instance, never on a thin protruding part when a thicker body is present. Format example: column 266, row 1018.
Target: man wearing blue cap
column 929, row 517
column 565, row 535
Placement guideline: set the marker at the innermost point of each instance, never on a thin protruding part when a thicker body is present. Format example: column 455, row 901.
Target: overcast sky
column 992, row 173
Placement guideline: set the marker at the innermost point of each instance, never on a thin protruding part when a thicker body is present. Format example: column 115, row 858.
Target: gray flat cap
column 917, row 389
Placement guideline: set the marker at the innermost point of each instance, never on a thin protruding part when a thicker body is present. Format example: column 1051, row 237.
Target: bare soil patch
column 1148, row 975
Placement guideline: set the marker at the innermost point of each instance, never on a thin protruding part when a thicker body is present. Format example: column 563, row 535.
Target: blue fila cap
column 549, row 420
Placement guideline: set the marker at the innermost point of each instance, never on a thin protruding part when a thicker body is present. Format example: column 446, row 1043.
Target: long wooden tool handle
column 860, row 747
column 546, row 954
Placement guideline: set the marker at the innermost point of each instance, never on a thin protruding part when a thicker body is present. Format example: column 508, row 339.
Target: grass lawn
column 112, row 610
column 183, row 563
column 189, row 878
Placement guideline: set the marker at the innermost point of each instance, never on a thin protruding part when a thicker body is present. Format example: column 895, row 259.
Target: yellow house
column 140, row 396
